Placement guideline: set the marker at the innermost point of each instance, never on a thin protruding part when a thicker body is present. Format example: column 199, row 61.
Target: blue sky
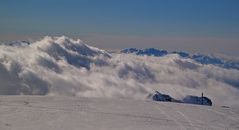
column 126, row 21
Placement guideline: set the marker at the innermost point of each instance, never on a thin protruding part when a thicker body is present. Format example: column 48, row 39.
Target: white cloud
column 62, row 66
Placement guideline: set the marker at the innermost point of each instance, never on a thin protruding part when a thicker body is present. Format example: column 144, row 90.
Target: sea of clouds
column 63, row 66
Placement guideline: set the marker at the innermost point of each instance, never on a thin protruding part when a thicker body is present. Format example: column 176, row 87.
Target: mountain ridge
column 200, row 58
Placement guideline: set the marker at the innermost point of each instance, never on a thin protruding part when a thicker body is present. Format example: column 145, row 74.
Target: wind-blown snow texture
column 73, row 113
column 62, row 66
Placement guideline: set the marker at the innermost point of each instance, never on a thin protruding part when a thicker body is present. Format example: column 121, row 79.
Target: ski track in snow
column 174, row 114
column 171, row 118
column 186, row 123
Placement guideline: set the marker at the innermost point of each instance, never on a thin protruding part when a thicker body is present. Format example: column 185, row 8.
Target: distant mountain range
column 200, row 58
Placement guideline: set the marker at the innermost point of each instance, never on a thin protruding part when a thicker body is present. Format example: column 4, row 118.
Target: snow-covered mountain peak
column 68, row 44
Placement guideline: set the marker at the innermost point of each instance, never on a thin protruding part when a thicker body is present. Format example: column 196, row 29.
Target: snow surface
column 77, row 113
column 63, row 66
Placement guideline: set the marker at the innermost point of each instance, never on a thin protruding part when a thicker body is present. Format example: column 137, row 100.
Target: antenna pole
column 202, row 98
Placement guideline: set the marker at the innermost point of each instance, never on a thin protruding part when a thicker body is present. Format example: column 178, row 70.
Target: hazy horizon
column 208, row 26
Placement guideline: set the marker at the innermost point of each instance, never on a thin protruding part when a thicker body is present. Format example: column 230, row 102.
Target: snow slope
column 63, row 66
column 73, row 113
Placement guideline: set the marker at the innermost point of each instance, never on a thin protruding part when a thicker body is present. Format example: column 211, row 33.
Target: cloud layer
column 62, row 66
